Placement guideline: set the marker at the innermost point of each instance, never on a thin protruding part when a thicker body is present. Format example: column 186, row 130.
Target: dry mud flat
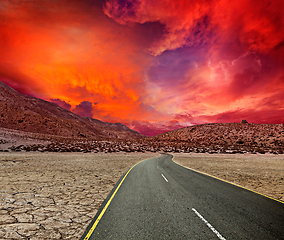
column 56, row 195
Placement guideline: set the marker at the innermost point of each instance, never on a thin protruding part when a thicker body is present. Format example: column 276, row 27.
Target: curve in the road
column 159, row 199
column 229, row 182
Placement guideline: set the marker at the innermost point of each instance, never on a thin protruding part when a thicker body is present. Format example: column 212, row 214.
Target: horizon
column 153, row 66
column 243, row 121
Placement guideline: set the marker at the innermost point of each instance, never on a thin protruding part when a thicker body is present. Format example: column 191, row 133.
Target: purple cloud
column 84, row 109
column 61, row 103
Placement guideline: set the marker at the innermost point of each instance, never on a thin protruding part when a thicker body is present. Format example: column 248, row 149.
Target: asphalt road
column 158, row 199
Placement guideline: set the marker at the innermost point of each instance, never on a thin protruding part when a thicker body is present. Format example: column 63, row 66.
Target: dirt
column 263, row 173
column 56, row 195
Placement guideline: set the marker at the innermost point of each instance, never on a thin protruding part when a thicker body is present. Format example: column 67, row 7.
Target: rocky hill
column 32, row 124
column 33, row 115
column 225, row 136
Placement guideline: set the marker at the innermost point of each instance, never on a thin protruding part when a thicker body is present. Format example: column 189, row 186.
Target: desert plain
column 56, row 195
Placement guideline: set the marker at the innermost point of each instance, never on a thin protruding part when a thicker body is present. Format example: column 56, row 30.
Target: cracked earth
column 56, row 195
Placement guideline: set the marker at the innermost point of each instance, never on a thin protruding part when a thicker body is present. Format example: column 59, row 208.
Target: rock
column 244, row 121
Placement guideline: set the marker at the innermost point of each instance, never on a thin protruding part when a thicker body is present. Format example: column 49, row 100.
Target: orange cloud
column 73, row 56
column 150, row 64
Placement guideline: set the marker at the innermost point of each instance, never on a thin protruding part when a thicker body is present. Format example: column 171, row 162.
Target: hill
column 34, row 115
column 225, row 136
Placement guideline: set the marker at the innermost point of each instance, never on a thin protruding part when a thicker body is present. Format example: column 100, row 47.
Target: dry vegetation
column 228, row 138
column 225, row 138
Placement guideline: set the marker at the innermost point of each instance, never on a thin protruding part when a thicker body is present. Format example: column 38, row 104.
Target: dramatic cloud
column 199, row 22
column 61, row 103
column 152, row 65
column 84, row 109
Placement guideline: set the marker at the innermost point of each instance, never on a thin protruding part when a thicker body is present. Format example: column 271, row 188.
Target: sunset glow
column 152, row 65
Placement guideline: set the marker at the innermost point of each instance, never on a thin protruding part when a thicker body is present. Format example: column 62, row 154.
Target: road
column 159, row 199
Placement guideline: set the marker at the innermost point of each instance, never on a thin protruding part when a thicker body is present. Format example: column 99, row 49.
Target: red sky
column 152, row 65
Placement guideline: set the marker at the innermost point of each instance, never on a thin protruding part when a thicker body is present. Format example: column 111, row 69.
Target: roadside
column 56, row 195
column 263, row 173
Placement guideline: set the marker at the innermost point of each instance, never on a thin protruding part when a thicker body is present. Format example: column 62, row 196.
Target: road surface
column 158, row 199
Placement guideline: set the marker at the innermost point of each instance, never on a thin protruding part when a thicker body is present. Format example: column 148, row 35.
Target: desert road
column 158, row 199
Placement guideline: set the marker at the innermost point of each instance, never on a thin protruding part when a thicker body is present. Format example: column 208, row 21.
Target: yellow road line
column 229, row 182
column 106, row 206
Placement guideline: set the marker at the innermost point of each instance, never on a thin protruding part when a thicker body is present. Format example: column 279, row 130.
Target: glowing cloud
column 259, row 26
column 153, row 65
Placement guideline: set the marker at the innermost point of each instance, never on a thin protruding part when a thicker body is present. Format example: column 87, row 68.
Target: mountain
column 234, row 136
column 30, row 114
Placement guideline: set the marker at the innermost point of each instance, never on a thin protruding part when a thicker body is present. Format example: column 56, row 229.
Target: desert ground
column 56, row 195
column 263, row 173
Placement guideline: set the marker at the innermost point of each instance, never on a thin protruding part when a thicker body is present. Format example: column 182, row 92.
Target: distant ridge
column 227, row 136
column 30, row 114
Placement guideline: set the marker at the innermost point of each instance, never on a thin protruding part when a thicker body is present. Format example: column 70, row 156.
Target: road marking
column 229, row 182
column 164, row 177
column 209, row 225
column 105, row 207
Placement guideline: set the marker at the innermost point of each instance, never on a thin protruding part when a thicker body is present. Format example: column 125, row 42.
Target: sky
column 153, row 65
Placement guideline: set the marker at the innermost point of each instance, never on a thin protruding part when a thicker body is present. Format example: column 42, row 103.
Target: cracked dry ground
column 56, row 195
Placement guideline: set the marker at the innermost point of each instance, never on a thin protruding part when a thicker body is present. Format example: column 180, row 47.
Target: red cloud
column 258, row 26
column 153, row 65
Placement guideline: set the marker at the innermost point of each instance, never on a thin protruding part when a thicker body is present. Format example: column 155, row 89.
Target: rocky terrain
column 224, row 138
column 56, row 167
column 29, row 114
column 32, row 124
column 228, row 138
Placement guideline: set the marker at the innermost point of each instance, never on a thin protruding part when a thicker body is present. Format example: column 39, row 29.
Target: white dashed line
column 164, row 177
column 209, row 225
